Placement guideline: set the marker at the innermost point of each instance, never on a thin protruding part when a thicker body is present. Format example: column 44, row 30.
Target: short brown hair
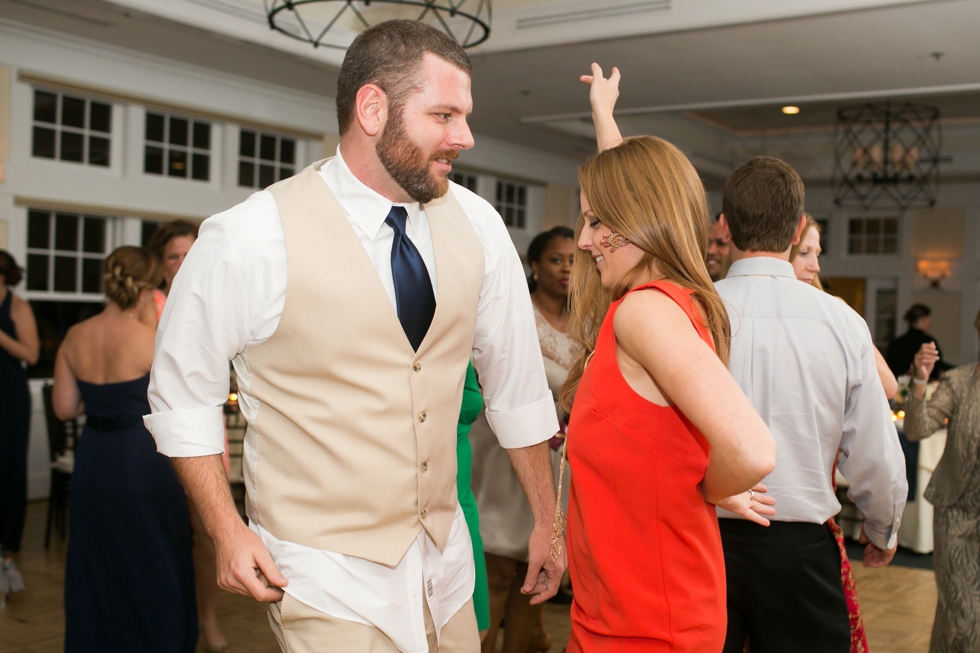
column 127, row 272
column 167, row 232
column 388, row 55
column 763, row 202
column 9, row 269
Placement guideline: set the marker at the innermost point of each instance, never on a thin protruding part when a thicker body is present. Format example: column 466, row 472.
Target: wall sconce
column 935, row 270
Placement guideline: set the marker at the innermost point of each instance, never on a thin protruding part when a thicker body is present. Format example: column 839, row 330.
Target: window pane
column 154, row 127
column 72, row 146
column 147, row 229
column 43, row 142
column 65, row 273
column 72, row 111
column 202, row 135
column 267, row 147
column 521, row 218
column 889, row 245
column 854, row 245
column 178, row 131
column 285, row 172
column 98, row 151
column 66, row 232
column 509, row 216
column 522, row 195
column 93, row 239
column 267, row 176
column 45, row 107
column 39, row 229
column 872, row 246
column 201, row 167
column 177, row 164
column 287, row 150
column 854, row 226
column 100, row 117
column 872, row 227
column 37, row 272
column 891, row 226
column 500, row 193
column 246, row 143
column 92, row 275
column 510, row 193
column 153, row 160
column 246, row 174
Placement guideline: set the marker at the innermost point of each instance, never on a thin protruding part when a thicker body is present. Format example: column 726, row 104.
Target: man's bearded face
column 409, row 164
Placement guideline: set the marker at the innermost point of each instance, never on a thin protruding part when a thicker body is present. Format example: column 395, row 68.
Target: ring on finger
column 751, row 495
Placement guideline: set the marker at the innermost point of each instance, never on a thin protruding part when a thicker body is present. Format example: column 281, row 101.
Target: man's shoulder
column 474, row 206
column 253, row 223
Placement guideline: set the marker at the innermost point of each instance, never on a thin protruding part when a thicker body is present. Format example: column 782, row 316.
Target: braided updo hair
column 127, row 272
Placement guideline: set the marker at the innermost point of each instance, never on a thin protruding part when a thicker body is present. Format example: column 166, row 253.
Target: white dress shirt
column 806, row 362
column 229, row 295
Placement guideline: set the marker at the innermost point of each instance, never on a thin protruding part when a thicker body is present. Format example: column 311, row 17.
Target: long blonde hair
column 810, row 224
column 648, row 191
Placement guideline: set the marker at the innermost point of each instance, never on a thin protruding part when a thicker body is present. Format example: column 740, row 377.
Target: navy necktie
column 416, row 304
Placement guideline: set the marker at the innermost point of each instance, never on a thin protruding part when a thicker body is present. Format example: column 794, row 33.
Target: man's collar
column 366, row 207
column 761, row 266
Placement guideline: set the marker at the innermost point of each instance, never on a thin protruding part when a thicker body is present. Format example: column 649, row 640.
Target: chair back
column 61, row 433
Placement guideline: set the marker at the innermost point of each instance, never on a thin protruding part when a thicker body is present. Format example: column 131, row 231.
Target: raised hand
column 925, row 360
column 603, row 94
column 753, row 505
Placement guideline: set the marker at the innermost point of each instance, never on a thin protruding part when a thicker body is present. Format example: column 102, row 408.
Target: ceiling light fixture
column 335, row 23
column 791, row 110
column 887, row 152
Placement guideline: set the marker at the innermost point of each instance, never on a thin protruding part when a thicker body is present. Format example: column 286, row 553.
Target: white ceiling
column 711, row 56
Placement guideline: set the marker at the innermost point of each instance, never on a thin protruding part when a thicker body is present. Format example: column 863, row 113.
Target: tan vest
column 357, row 450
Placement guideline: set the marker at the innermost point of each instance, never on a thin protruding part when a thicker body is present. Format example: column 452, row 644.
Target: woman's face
column 598, row 240
column 806, row 265
column 173, row 256
column 554, row 267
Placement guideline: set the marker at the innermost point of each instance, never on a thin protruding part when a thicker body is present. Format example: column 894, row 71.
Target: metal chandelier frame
column 471, row 17
column 887, row 151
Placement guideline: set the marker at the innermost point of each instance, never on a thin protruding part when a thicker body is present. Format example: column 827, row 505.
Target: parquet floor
column 897, row 604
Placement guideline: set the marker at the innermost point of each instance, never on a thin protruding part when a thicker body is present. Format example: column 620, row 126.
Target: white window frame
column 111, row 226
column 881, row 237
column 114, row 136
column 213, row 152
column 256, row 161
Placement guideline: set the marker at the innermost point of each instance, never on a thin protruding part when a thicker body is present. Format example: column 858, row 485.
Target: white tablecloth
column 916, row 530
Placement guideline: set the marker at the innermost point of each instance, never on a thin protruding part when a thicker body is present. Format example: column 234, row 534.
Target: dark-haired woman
column 902, row 350
column 18, row 345
column 129, row 579
column 505, row 516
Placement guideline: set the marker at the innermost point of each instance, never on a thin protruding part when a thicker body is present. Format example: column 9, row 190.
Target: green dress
column 472, row 403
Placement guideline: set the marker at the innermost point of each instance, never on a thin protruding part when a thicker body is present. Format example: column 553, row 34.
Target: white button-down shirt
column 806, row 362
column 229, row 295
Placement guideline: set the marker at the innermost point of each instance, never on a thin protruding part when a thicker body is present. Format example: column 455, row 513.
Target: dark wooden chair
column 62, row 436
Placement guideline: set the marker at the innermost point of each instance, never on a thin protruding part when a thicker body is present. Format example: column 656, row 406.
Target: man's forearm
column 533, row 467
column 204, row 480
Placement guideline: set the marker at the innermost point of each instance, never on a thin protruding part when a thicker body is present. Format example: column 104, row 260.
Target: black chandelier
column 887, row 152
column 332, row 23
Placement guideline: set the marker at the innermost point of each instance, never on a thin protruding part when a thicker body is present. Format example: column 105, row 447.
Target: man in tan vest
column 351, row 298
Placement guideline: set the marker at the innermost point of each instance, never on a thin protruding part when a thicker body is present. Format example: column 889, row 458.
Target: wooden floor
column 897, row 604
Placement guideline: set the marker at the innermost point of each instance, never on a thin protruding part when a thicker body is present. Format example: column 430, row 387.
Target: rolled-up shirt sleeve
column 506, row 352
column 872, row 459
column 205, row 323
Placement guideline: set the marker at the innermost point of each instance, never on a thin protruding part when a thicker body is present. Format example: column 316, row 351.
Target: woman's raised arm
column 603, row 94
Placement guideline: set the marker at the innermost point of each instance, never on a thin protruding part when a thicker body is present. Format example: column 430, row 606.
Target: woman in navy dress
column 18, row 344
column 129, row 581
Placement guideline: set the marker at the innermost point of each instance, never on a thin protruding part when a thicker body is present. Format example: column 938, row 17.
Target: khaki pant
column 302, row 629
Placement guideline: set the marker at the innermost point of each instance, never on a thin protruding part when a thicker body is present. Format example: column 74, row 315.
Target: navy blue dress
column 129, row 580
column 15, row 432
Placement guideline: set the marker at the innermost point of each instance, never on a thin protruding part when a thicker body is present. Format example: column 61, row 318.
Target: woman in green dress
column 470, row 409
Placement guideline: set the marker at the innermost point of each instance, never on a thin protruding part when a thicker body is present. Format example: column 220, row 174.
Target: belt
column 111, row 423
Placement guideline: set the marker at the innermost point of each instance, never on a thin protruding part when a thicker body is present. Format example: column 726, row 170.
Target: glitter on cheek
column 614, row 240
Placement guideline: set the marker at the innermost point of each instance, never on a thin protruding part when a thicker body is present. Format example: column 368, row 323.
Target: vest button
column 422, row 417
column 425, row 467
column 417, row 367
column 425, row 511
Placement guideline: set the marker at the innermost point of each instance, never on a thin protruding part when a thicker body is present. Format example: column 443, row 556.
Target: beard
column 408, row 164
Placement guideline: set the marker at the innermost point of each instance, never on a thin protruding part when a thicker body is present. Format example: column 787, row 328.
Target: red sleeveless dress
column 643, row 545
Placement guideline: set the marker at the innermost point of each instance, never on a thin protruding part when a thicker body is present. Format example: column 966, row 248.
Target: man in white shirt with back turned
column 351, row 298
column 806, row 362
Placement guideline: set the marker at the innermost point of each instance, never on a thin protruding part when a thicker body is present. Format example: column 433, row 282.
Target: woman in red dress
column 659, row 430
